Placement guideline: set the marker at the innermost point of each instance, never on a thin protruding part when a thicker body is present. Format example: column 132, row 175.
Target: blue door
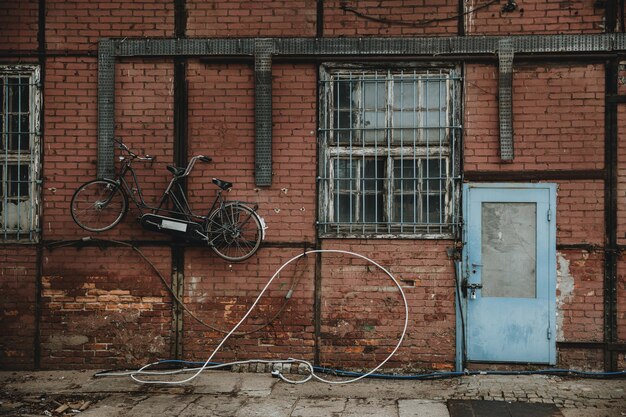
column 509, row 272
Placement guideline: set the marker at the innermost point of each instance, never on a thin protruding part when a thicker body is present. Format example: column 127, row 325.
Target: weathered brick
column 18, row 278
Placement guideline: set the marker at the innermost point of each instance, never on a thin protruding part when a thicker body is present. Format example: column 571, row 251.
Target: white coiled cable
column 135, row 375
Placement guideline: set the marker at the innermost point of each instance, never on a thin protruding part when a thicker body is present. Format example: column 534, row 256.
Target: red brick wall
column 535, row 17
column 70, row 139
column 18, row 293
column 580, row 307
column 251, row 18
column 104, row 308
column 558, row 118
column 580, row 295
column 290, row 201
column 400, row 18
column 221, row 125
column 221, row 293
column 143, row 119
column 580, row 212
column 77, row 25
column 18, row 25
column 362, row 313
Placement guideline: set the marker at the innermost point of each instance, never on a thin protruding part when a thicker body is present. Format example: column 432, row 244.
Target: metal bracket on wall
column 505, row 98
column 264, row 49
column 106, row 108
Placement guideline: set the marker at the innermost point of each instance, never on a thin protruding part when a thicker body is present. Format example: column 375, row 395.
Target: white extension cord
column 135, row 375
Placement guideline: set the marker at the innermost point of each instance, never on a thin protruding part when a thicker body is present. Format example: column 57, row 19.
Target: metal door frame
column 462, row 303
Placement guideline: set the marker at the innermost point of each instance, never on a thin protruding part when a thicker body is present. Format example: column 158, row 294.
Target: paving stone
column 275, row 407
column 213, row 405
column 314, row 407
column 422, row 408
column 370, row 407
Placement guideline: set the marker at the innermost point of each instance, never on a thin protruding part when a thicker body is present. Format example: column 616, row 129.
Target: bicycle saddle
column 176, row 171
column 224, row 185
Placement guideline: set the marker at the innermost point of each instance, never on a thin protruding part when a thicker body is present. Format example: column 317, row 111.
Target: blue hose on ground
column 425, row 376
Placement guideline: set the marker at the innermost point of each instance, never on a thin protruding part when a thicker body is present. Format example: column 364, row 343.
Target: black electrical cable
column 344, row 6
column 295, row 281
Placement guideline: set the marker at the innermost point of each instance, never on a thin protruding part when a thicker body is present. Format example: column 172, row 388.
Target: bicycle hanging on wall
column 232, row 229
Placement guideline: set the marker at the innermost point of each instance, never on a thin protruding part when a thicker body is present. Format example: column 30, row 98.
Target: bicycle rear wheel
column 98, row 205
column 235, row 232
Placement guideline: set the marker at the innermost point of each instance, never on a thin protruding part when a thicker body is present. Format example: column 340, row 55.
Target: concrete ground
column 224, row 393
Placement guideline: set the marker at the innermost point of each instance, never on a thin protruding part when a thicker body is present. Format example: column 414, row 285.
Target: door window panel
column 509, row 250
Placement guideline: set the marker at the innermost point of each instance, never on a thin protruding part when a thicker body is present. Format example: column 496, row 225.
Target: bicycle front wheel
column 235, row 232
column 98, row 205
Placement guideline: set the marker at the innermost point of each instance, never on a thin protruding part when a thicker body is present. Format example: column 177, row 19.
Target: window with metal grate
column 19, row 152
column 389, row 151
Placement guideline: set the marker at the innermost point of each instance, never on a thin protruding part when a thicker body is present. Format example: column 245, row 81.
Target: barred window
column 389, row 151
column 19, row 153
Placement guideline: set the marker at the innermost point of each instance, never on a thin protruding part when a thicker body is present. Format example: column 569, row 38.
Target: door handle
column 472, row 287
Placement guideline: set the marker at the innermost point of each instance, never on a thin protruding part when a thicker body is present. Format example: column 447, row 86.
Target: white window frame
column 389, row 147
column 19, row 214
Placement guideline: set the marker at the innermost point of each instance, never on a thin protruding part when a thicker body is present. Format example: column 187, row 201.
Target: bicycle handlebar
column 192, row 162
column 148, row 158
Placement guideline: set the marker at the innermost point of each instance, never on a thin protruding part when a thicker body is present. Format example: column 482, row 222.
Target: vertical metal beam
column 622, row 18
column 106, row 108
column 319, row 29
column 505, row 98
column 178, row 286
column 181, row 108
column 263, row 111
column 180, row 111
column 180, row 159
column 611, row 251
column 317, row 305
column 461, row 19
column 611, row 16
column 41, row 51
column 180, row 18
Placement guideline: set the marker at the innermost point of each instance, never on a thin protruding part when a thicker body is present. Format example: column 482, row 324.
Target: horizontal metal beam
column 264, row 50
column 540, row 175
column 613, row 347
column 531, row 44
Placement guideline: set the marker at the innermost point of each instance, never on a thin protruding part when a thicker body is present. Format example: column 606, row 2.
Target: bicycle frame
column 174, row 193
